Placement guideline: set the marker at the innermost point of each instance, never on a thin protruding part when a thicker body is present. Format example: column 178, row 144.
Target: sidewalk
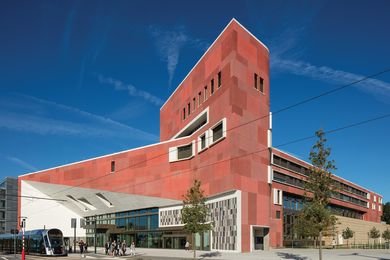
column 182, row 254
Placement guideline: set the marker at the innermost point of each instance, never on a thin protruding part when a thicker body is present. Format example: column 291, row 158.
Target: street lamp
column 23, row 226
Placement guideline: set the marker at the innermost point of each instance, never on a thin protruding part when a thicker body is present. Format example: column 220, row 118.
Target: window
column 374, row 198
column 278, row 194
column 200, row 98
column 194, row 105
column 184, row 152
column 211, row 89
column 278, row 214
column 202, row 142
column 205, row 93
column 212, row 83
column 255, row 81
column 199, row 121
column 261, row 85
column 217, row 132
column 189, row 108
column 184, row 113
column 219, row 79
column 112, row 166
column 373, row 206
column 379, row 208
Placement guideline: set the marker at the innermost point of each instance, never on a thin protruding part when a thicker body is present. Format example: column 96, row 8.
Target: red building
column 215, row 127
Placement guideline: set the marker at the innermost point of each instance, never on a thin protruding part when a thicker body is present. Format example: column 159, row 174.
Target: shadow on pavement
column 291, row 256
column 365, row 256
column 210, row 254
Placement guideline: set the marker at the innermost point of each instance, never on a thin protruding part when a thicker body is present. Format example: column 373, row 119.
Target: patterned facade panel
column 224, row 216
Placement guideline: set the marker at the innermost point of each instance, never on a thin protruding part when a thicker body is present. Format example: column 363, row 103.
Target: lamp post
column 23, row 226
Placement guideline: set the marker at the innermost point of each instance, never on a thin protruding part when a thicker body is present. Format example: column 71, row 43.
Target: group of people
column 83, row 247
column 115, row 248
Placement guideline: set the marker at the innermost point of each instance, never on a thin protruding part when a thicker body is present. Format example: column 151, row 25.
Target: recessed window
column 184, row 152
column 218, row 131
column 194, row 105
column 202, row 142
column 255, row 81
column 219, row 79
column 278, row 214
column 184, row 113
column 200, row 98
column 189, row 108
column 206, row 94
column 212, row 84
column 112, row 166
column 199, row 121
column 261, row 85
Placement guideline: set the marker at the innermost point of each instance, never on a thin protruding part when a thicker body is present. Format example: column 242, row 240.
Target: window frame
column 206, row 136
column 211, row 132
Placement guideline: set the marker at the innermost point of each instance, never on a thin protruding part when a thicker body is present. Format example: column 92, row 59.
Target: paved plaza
column 297, row 254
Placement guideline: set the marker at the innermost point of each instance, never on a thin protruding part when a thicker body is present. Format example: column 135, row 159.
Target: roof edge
column 231, row 21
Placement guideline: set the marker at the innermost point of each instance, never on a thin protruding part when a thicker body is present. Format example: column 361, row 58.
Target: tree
column 347, row 234
column 386, row 213
column 315, row 218
column 195, row 212
column 374, row 234
column 386, row 235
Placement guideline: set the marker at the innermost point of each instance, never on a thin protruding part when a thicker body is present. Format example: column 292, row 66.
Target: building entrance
column 260, row 238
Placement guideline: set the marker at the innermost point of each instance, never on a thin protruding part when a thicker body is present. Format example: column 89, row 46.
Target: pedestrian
column 117, row 246
column 107, row 247
column 81, row 246
column 132, row 248
column 187, row 246
column 333, row 243
column 113, row 246
column 86, row 247
column 123, row 247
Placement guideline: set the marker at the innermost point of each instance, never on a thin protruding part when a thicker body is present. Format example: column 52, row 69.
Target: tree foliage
column 347, row 234
column 386, row 213
column 195, row 212
column 386, row 235
column 374, row 233
column 315, row 218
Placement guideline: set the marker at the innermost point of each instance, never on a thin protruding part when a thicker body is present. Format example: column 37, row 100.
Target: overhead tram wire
column 307, row 100
column 338, row 129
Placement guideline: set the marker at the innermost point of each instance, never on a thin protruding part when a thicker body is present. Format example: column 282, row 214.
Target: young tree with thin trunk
column 386, row 236
column 315, row 218
column 347, row 234
column 195, row 212
column 374, row 234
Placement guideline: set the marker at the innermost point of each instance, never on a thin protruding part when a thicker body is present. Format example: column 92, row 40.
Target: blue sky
column 81, row 79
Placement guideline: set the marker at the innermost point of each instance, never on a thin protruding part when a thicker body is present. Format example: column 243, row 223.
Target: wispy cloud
column 169, row 44
column 22, row 163
column 80, row 123
column 131, row 90
column 376, row 87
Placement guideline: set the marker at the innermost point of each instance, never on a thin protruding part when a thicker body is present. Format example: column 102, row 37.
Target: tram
column 48, row 242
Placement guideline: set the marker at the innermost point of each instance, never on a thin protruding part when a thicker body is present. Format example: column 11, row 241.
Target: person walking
column 123, row 247
column 132, row 248
column 81, row 246
column 107, row 247
column 187, row 246
column 113, row 246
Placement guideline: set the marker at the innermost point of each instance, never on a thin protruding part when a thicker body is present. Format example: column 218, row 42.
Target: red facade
column 240, row 161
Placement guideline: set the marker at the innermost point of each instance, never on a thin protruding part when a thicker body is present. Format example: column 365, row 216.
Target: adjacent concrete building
column 8, row 205
column 215, row 127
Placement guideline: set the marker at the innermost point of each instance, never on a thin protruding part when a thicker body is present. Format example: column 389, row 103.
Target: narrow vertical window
column 189, row 108
column 219, row 79
column 212, row 84
column 261, row 85
column 184, row 113
column 200, row 98
column 112, row 166
column 205, row 93
column 194, row 105
column 255, row 81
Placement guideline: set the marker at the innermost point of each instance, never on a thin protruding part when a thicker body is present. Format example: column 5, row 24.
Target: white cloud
column 133, row 91
column 378, row 88
column 90, row 125
column 169, row 44
column 22, row 163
